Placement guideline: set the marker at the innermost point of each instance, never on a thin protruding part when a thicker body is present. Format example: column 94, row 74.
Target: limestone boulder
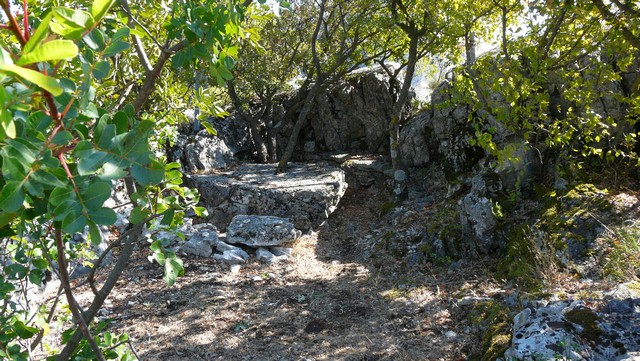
column 201, row 152
column 574, row 331
column 306, row 194
column 261, row 231
column 478, row 216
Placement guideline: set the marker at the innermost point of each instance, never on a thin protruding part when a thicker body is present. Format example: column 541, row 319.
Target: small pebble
column 235, row 268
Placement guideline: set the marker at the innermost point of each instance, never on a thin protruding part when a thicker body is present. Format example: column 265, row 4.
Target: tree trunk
column 252, row 121
column 403, row 98
column 470, row 48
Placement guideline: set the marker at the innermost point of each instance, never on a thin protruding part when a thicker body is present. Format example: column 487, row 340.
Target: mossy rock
column 588, row 320
column 495, row 319
column 520, row 263
column 495, row 341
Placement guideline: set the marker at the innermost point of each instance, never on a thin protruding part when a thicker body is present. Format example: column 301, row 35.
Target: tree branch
column 137, row 43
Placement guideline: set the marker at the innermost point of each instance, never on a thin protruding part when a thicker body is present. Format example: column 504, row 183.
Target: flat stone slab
column 306, row 194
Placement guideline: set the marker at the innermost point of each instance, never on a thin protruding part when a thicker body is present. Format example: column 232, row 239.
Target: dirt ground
column 327, row 302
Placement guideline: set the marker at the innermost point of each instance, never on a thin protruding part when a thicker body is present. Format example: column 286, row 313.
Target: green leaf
column 110, row 171
column 115, row 48
column 11, row 196
column 209, row 128
column 48, row 179
column 94, row 233
column 149, row 174
column 6, row 217
column 201, row 211
column 45, row 82
column 158, row 252
column 167, row 218
column 60, row 195
column 99, row 8
column 96, row 194
column 52, row 50
column 61, row 138
column 138, row 215
column 16, row 271
column 7, row 126
column 74, row 222
column 101, row 69
column 23, row 331
column 105, row 216
column 40, row 263
column 120, row 34
column 39, row 35
column 173, row 268
column 35, row 277
column 71, row 24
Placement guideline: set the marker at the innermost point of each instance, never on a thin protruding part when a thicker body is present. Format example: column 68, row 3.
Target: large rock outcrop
column 306, row 194
column 353, row 116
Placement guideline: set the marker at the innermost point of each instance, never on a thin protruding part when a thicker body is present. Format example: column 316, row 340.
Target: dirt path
column 328, row 302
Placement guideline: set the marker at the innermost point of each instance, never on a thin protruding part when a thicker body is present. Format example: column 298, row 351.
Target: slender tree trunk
column 403, row 98
column 149, row 84
column 293, row 138
column 470, row 48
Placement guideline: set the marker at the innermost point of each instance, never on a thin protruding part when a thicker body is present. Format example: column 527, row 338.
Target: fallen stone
column 222, row 247
column 306, row 194
column 229, row 257
column 235, row 268
column 200, row 239
column 260, row 231
column 281, row 251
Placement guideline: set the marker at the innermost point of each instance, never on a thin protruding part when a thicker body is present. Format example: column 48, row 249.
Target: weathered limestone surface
column 259, row 231
column 305, row 194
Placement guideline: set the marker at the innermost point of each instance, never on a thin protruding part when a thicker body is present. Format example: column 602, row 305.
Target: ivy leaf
column 52, row 50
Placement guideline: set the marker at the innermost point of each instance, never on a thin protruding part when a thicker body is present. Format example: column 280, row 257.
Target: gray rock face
column 306, row 194
column 440, row 134
column 353, row 115
column 202, row 152
column 572, row 331
column 259, row 231
column 477, row 216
